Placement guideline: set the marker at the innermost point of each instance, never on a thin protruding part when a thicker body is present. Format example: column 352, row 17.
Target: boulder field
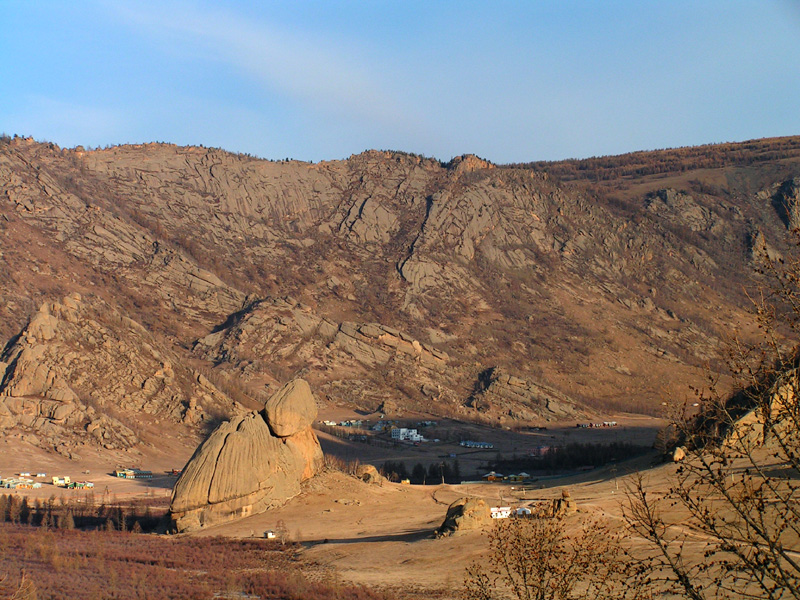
column 251, row 463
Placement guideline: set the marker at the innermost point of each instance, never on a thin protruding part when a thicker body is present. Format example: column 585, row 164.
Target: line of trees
column 68, row 513
column 570, row 456
column 436, row 473
column 677, row 160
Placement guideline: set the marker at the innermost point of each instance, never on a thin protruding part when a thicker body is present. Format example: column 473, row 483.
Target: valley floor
column 377, row 535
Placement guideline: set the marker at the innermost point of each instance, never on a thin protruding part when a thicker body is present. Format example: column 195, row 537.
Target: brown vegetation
column 544, row 557
column 729, row 524
column 82, row 513
column 677, row 160
column 74, row 564
column 736, row 530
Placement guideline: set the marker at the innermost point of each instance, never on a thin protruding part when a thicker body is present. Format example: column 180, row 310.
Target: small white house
column 500, row 512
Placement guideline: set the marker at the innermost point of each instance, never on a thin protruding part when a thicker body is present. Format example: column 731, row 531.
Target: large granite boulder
column 465, row 514
column 291, row 409
column 250, row 463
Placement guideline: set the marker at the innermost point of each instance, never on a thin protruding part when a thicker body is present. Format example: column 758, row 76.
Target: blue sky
column 509, row 81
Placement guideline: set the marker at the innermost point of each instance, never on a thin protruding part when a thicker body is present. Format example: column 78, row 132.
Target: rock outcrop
column 270, row 326
column 500, row 391
column 82, row 373
column 565, row 505
column 291, row 409
column 465, row 514
column 681, row 209
column 411, row 276
column 250, row 463
column 787, row 202
column 369, row 474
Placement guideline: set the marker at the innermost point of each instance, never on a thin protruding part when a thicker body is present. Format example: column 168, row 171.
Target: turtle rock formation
column 250, row 463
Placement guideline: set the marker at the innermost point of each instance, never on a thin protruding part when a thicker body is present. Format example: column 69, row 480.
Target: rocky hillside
column 81, row 372
column 531, row 292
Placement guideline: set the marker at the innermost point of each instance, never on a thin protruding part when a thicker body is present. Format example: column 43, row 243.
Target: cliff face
column 388, row 276
column 250, row 463
column 81, row 372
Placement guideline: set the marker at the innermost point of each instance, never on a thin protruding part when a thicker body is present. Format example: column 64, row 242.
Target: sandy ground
column 378, row 535
column 382, row 535
column 97, row 465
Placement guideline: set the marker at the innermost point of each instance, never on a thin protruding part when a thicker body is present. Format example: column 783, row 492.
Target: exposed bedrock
column 250, row 463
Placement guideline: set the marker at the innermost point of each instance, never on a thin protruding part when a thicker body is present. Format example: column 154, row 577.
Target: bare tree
column 729, row 527
column 26, row 590
column 543, row 557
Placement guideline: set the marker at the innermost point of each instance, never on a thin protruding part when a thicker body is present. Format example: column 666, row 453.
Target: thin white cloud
column 309, row 69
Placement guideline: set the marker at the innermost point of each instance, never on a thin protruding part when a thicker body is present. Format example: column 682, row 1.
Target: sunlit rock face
column 250, row 463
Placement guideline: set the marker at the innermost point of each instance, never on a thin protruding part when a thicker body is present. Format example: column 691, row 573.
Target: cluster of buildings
column 518, row 478
column 23, row 482
column 65, row 482
column 381, row 425
column 403, row 434
column 474, row 444
column 348, row 423
column 539, row 451
column 133, row 474
column 504, row 512
column 596, row 425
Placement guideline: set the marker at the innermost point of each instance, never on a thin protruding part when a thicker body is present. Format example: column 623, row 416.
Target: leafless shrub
column 729, row 527
column 337, row 464
column 555, row 558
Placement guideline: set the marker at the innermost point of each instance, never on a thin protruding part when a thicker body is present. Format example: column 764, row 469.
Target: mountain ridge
column 611, row 294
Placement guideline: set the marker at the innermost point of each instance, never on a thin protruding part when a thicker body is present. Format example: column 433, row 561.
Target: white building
column 474, row 444
column 500, row 512
column 402, row 434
